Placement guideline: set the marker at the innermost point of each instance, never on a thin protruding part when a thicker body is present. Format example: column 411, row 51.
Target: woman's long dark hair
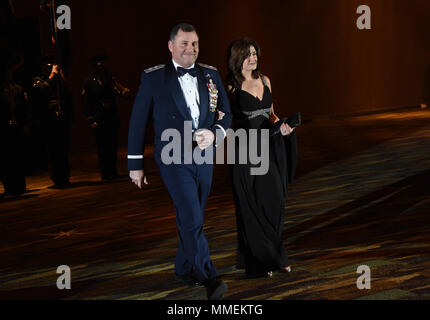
column 238, row 51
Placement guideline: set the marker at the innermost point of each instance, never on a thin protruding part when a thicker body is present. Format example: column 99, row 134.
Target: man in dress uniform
column 14, row 126
column 102, row 114
column 178, row 93
column 53, row 102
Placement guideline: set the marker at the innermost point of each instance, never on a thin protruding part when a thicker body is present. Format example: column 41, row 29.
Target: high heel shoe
column 267, row 274
column 286, row 269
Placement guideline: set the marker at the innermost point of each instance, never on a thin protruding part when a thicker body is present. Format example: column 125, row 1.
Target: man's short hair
column 185, row 27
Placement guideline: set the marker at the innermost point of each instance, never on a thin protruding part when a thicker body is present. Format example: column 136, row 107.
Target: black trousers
column 58, row 143
column 107, row 150
column 12, row 162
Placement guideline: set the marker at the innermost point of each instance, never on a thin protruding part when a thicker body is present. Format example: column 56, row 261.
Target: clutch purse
column 293, row 121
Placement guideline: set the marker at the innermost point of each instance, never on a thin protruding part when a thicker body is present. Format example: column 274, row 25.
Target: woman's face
column 250, row 63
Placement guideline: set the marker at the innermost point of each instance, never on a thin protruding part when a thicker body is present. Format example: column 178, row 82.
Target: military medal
column 213, row 95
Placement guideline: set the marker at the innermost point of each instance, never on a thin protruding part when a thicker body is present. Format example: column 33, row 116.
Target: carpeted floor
column 361, row 197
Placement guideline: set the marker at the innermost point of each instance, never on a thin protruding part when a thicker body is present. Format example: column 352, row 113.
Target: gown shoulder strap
column 264, row 80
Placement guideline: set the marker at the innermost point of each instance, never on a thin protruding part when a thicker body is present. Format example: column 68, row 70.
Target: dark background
column 318, row 61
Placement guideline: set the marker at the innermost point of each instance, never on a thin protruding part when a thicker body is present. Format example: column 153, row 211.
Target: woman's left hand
column 220, row 114
column 286, row 129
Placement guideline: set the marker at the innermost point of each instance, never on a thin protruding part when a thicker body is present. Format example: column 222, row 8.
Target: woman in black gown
column 259, row 199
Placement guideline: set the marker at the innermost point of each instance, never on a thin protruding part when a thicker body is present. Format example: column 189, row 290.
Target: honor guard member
column 14, row 128
column 99, row 92
column 53, row 102
column 59, row 38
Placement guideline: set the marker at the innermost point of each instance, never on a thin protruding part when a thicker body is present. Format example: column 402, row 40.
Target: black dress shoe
column 189, row 280
column 267, row 274
column 62, row 185
column 215, row 289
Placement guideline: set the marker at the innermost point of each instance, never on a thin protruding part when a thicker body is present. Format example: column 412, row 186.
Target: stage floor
column 361, row 197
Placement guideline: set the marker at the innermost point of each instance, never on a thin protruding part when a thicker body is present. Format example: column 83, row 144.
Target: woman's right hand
column 220, row 114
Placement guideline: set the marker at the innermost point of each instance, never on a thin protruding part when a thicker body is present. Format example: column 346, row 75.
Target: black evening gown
column 260, row 199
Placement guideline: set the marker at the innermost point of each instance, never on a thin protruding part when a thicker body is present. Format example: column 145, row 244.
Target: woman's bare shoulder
column 267, row 81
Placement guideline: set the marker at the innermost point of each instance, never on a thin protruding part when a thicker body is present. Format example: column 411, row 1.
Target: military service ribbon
column 213, row 94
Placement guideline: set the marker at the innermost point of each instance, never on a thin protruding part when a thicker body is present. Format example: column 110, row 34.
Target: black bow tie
column 182, row 71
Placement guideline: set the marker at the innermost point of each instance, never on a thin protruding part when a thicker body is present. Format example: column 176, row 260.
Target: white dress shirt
column 189, row 87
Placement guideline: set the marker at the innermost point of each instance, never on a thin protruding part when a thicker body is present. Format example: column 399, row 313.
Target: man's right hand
column 137, row 176
column 55, row 68
column 94, row 125
column 54, row 71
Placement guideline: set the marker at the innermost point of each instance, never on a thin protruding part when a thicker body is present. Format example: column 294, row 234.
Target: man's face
column 46, row 69
column 99, row 66
column 185, row 48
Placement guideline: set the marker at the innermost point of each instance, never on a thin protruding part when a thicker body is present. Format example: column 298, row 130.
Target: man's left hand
column 204, row 138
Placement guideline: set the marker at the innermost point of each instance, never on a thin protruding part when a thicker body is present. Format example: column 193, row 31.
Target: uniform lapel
column 203, row 95
column 176, row 91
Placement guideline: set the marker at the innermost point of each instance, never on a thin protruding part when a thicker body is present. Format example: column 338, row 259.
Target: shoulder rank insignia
column 207, row 66
column 155, row 68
